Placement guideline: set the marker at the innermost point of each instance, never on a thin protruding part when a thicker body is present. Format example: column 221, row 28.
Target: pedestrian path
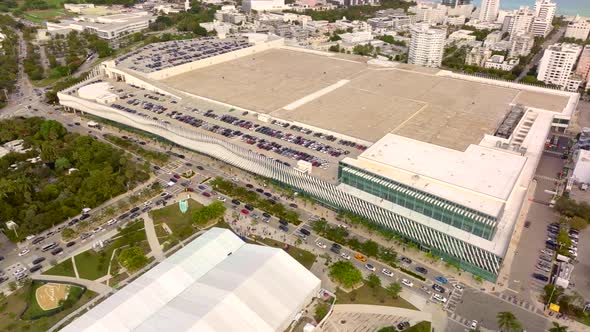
column 92, row 285
column 75, row 267
column 152, row 237
column 518, row 302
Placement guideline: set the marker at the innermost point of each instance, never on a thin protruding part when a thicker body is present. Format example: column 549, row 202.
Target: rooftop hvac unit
column 505, row 146
column 499, row 144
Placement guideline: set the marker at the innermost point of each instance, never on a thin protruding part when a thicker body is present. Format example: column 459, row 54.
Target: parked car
column 442, row 279
column 402, row 326
column 246, row 212
column 440, row 298
column 38, row 260
column 387, row 272
column 35, row 268
column 370, row 267
column 407, row 283
column 541, row 277
column 345, row 256
column 406, row 260
column 284, row 228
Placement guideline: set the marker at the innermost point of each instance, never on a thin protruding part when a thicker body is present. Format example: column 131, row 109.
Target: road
column 552, row 40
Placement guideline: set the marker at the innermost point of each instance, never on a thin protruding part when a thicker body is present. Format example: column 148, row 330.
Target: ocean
column 564, row 7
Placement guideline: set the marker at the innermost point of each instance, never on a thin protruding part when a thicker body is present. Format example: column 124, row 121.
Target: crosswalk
column 521, row 303
column 547, row 178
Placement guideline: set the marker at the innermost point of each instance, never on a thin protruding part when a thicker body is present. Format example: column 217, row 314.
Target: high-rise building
column 454, row 3
column 429, row 13
column 521, row 45
column 426, row 45
column 518, row 22
column 488, row 10
column 557, row 63
column 583, row 68
column 544, row 14
column 578, row 29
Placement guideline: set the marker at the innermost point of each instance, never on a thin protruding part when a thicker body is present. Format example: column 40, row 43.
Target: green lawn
column 40, row 16
column 366, row 295
column 65, row 268
column 180, row 223
column 93, row 265
column 304, row 257
column 15, row 304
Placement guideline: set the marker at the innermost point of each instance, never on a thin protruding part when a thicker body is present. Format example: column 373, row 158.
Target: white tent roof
column 215, row 283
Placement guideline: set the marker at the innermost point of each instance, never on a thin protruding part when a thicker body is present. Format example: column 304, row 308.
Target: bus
column 49, row 246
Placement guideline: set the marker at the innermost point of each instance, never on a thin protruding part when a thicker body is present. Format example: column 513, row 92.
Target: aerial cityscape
column 295, row 165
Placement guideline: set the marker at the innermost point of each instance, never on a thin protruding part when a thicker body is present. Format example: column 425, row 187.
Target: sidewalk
column 152, row 238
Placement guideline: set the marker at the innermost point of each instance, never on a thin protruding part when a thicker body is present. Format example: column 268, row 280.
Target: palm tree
column 558, row 328
column 508, row 322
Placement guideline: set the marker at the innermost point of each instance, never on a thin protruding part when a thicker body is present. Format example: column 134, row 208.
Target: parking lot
column 282, row 141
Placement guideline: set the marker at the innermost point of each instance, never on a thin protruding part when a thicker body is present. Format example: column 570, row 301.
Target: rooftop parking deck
column 155, row 57
column 347, row 95
column 282, row 141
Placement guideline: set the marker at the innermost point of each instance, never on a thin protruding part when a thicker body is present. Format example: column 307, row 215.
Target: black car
column 3, row 279
column 71, row 243
column 235, row 202
column 284, row 228
column 406, row 260
column 35, row 268
column 135, row 209
column 265, row 215
column 156, row 167
column 181, row 156
column 200, row 168
column 402, row 326
column 249, row 207
column 56, row 251
column 335, row 248
column 1, row 258
column 38, row 239
column 188, row 164
column 133, row 216
column 38, row 260
column 283, row 222
column 293, row 205
column 420, row 269
column 249, row 186
column 73, row 222
column 308, row 233
column 84, row 216
column 123, row 216
column 541, row 277
column 438, row 288
column 259, row 190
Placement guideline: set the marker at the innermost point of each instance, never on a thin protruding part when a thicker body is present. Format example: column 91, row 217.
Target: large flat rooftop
column 345, row 94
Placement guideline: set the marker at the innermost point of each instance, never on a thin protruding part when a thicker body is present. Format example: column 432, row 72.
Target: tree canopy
column 132, row 258
column 209, row 212
column 39, row 195
column 345, row 274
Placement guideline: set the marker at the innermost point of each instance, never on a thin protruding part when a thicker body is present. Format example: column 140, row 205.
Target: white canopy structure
column 215, row 283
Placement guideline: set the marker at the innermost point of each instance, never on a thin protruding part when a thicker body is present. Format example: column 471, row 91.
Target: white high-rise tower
column 488, row 10
column 426, row 45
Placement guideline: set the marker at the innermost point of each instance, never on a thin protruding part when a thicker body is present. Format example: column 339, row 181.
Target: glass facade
column 450, row 213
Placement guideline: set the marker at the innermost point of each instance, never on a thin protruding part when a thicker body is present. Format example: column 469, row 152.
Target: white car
column 19, row 270
column 321, row 245
column 458, row 287
column 440, row 298
column 407, row 283
column 473, row 324
column 369, row 267
column 24, row 252
column 111, row 222
column 30, row 237
column 387, row 272
column 221, row 199
column 147, row 203
column 343, row 226
column 345, row 256
column 98, row 229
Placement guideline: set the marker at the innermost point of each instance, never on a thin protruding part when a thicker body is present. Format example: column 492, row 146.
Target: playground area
column 50, row 295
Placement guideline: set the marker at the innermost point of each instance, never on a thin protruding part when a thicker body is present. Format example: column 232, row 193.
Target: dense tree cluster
column 39, row 195
column 187, row 21
column 357, row 12
column 345, row 274
column 207, row 213
column 132, row 258
column 8, row 58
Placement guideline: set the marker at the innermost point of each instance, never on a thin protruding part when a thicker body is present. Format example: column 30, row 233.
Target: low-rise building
column 461, row 35
column 263, row 5
column 521, row 45
column 499, row 62
column 455, row 20
column 356, row 37
column 108, row 27
column 478, row 56
column 229, row 14
column 578, row 29
column 564, row 274
column 492, row 38
column 429, row 13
